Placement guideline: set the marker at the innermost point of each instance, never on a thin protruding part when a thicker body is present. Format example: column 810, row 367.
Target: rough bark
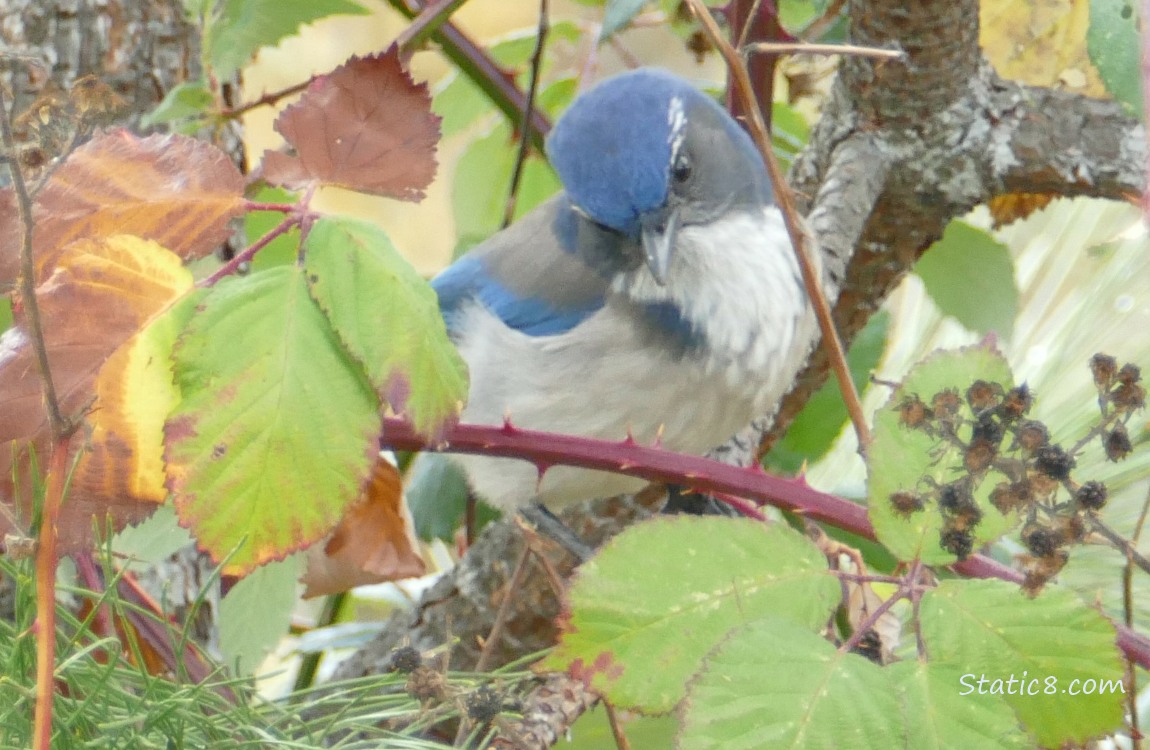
column 141, row 48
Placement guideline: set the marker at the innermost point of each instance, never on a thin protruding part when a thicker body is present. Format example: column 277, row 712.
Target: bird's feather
column 527, row 275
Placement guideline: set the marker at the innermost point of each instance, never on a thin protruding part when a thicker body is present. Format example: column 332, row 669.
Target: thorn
column 541, row 467
column 508, row 428
column 659, row 435
column 630, row 439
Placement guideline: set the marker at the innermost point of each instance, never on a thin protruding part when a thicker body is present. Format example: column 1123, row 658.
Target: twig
column 1096, row 431
column 748, row 22
column 309, row 662
column 47, row 558
column 245, row 255
column 791, row 218
column 756, row 26
column 504, row 612
column 659, row 465
column 424, row 26
column 1128, row 618
column 525, row 122
column 819, row 26
column 231, row 113
column 477, row 65
column 616, row 727
column 1125, row 547
column 907, row 586
column 807, row 48
column 56, row 421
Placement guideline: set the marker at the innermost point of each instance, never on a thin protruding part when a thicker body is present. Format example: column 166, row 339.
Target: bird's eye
column 681, row 169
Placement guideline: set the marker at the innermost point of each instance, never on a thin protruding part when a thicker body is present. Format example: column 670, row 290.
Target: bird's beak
column 658, row 230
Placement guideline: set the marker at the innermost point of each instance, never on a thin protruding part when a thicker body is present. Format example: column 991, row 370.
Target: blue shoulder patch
column 468, row 279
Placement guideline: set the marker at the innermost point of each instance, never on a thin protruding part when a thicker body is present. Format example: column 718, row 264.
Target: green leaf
column 483, row 181
column 238, row 28
column 256, row 613
column 592, row 731
column 1114, row 45
column 284, row 249
column 156, row 538
column 822, row 419
column 277, row 428
column 902, row 459
column 618, row 14
column 659, row 596
column 436, row 492
column 938, row 716
column 5, row 314
column 970, row 276
column 185, row 100
column 789, row 132
column 993, row 634
column 388, row 317
column 775, row 684
column 460, row 103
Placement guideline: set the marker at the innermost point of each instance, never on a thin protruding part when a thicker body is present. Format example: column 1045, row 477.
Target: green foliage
column 789, row 133
column 235, row 29
column 104, row 701
column 185, row 101
column 1113, row 42
column 818, row 425
column 436, row 492
column 388, row 319
column 911, row 461
column 256, row 613
column 284, row 248
column 777, row 684
column 658, row 597
column 939, row 715
column 970, row 276
column 263, row 376
column 988, row 628
column 483, row 182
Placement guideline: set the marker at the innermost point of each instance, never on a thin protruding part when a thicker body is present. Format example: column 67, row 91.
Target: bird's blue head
column 645, row 153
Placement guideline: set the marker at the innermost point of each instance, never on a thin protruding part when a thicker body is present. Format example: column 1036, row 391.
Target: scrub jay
column 657, row 294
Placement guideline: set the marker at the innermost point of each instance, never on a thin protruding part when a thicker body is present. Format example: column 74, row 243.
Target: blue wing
column 527, row 275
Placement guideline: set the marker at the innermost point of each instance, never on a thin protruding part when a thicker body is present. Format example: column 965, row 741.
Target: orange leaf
column 373, row 543
column 175, row 190
column 365, row 126
column 100, row 295
column 1009, row 208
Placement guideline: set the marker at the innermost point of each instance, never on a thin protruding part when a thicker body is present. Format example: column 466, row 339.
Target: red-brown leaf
column 100, row 294
column 175, row 190
column 365, row 126
column 374, row 542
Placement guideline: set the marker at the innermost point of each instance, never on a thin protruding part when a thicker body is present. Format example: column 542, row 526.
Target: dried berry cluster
column 989, row 425
column 430, row 686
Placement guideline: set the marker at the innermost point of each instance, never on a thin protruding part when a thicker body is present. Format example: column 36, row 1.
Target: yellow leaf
column 1041, row 43
column 100, row 295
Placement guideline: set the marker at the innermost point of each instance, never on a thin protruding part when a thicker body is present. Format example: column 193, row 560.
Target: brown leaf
column 374, row 542
column 365, row 126
column 1009, row 208
column 100, row 295
column 175, row 190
